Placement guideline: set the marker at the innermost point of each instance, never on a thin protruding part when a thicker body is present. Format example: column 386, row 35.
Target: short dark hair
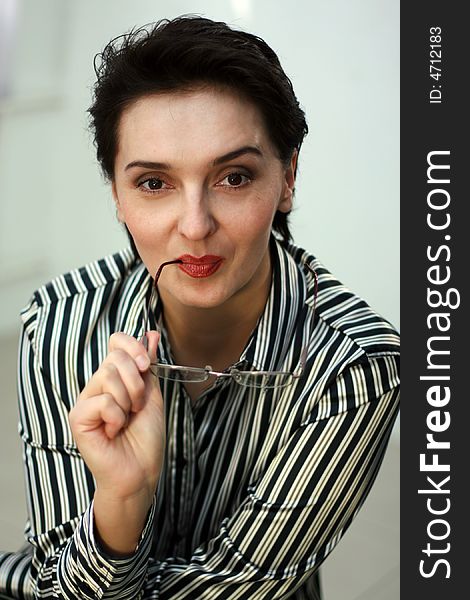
column 180, row 54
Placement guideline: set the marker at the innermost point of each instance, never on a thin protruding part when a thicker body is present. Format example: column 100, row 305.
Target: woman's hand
column 118, row 425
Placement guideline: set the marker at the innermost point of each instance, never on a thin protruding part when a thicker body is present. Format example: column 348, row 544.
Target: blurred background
column 56, row 212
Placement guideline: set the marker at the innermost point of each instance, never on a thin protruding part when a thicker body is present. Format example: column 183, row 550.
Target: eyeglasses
column 253, row 379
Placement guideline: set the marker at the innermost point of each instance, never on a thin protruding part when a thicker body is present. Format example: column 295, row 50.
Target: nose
column 196, row 221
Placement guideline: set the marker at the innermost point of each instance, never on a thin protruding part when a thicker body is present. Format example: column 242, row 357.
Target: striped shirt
column 258, row 485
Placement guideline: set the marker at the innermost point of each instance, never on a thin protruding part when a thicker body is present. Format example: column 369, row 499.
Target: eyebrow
column 236, row 153
column 219, row 160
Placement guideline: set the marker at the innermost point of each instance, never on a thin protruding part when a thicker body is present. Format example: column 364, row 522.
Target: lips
column 200, row 266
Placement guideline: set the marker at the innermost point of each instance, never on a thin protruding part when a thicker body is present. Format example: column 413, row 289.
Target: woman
column 234, row 474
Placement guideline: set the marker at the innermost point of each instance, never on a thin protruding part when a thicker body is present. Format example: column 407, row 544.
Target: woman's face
column 197, row 177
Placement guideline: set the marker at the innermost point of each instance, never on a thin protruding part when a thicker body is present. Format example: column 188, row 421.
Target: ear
column 119, row 213
column 285, row 203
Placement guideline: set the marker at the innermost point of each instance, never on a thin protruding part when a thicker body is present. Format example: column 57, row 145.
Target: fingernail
column 142, row 362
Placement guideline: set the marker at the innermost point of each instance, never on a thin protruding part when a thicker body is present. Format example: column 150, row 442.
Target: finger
column 98, row 412
column 119, row 376
column 116, row 378
column 115, row 425
column 135, row 349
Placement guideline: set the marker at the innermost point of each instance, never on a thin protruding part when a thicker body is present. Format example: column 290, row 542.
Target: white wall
column 343, row 58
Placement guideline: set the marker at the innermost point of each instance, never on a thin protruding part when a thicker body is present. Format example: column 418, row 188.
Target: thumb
column 153, row 337
column 152, row 383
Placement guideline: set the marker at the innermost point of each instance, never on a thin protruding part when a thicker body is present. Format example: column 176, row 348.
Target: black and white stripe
column 258, row 485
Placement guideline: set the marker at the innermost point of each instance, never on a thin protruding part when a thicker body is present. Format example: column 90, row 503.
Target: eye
column 152, row 184
column 234, row 180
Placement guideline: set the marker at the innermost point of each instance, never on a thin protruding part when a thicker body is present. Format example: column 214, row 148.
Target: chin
column 202, row 296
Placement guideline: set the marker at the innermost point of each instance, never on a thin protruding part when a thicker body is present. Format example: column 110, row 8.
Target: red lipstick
column 202, row 266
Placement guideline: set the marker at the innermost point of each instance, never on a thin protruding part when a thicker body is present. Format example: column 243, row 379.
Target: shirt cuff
column 96, row 572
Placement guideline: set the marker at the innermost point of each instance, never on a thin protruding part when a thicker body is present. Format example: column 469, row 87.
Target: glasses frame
column 208, row 371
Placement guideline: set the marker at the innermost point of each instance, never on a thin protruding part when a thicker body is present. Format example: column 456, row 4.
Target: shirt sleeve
column 290, row 519
column 67, row 562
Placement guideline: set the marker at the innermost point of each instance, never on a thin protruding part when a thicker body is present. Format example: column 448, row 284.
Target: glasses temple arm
column 147, row 305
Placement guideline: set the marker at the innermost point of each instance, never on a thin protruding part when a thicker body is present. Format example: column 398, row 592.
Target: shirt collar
column 273, row 335
column 134, row 291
